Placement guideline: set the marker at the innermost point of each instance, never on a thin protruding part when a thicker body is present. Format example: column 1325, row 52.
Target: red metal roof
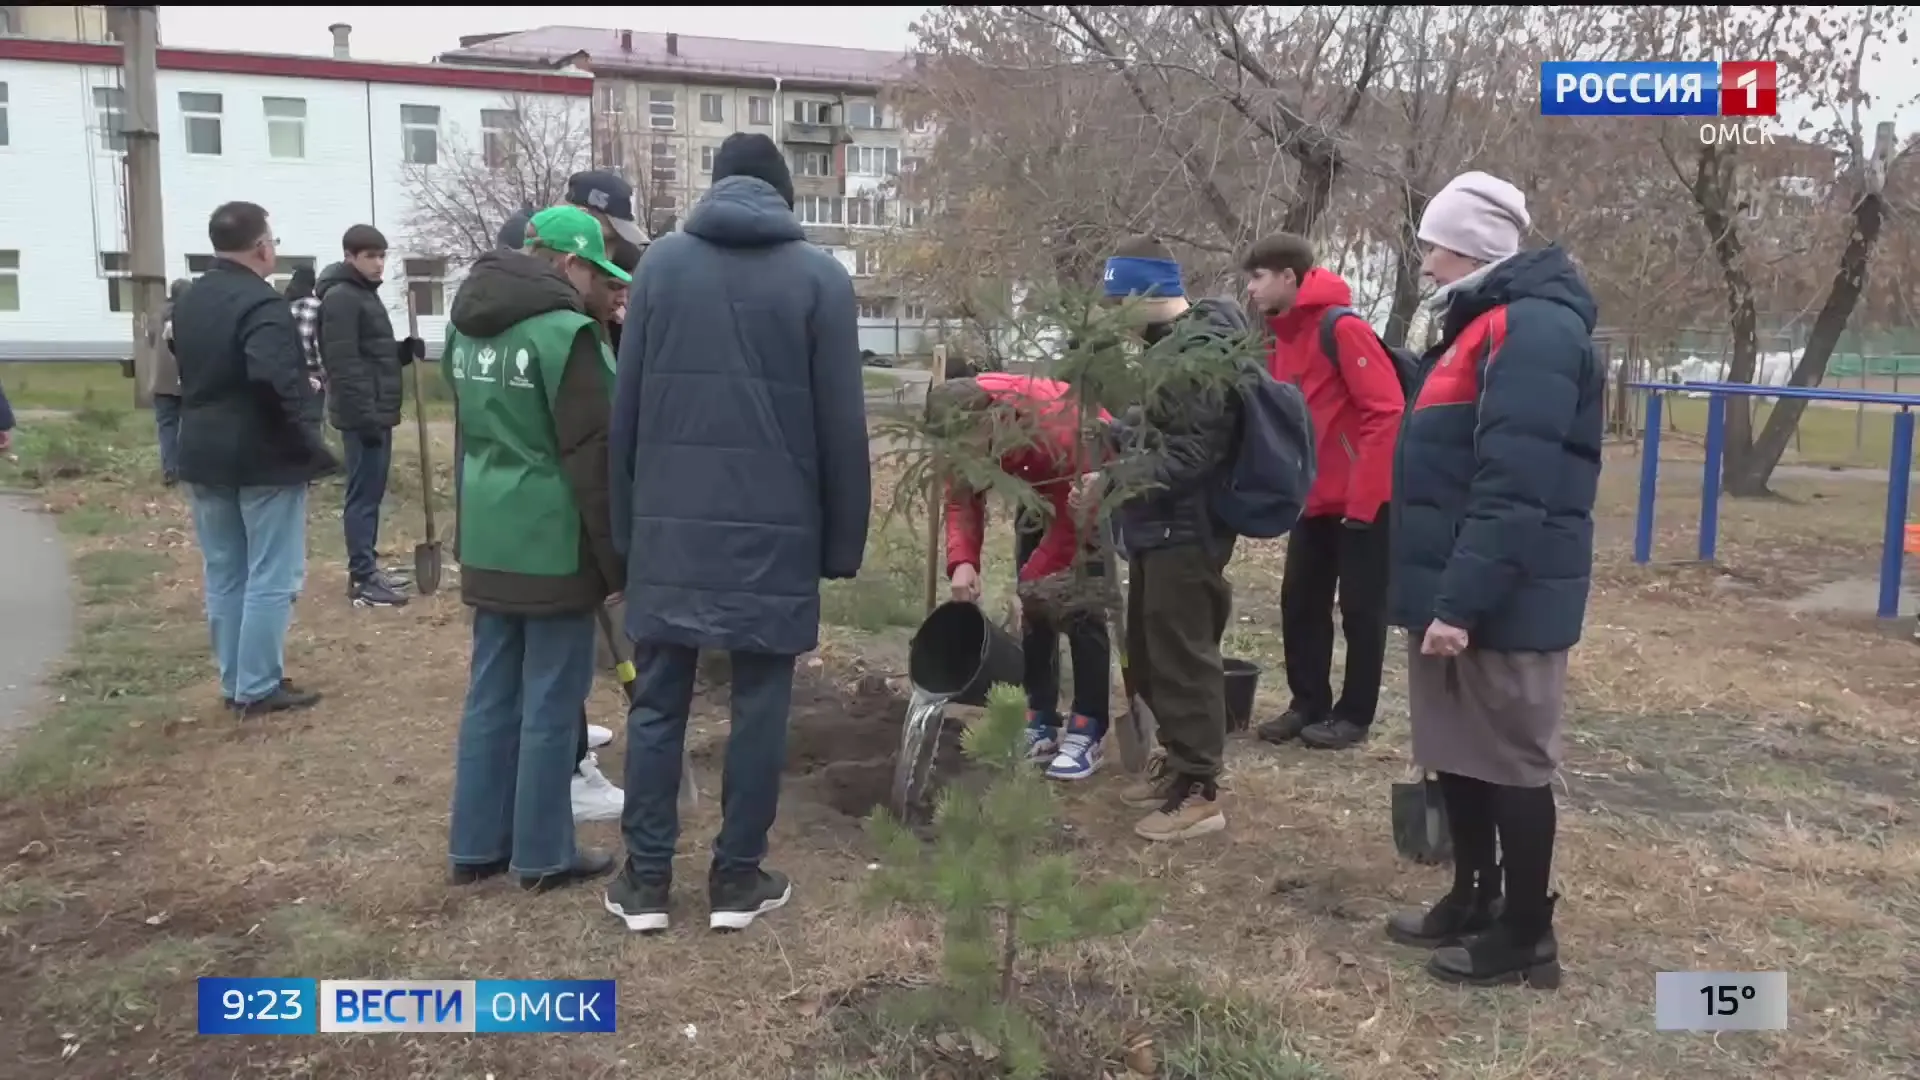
column 305, row 67
column 647, row 51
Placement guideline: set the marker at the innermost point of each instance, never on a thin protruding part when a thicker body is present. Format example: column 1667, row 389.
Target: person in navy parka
column 1495, row 476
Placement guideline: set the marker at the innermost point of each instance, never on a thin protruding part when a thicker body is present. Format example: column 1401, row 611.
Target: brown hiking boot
column 1192, row 808
column 1151, row 788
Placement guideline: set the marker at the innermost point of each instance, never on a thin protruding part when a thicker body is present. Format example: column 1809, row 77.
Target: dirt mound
column 842, row 741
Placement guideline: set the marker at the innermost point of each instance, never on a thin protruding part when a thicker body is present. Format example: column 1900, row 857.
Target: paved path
column 36, row 614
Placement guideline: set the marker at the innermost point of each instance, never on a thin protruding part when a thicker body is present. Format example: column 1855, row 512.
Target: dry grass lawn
column 1738, row 797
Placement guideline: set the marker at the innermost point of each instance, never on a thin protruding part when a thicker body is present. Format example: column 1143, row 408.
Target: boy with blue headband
column 1178, row 598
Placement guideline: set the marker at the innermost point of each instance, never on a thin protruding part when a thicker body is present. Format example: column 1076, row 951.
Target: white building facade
column 322, row 144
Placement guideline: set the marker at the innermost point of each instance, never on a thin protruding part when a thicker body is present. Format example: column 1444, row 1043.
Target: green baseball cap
column 572, row 231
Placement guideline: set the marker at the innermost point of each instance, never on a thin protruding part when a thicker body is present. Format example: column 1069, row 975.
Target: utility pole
column 138, row 30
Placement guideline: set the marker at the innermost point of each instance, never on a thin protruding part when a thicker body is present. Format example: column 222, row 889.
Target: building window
column 9, row 281
column 115, row 268
column 664, row 163
column 866, row 262
column 4, row 136
column 867, row 211
column 110, row 117
column 872, row 310
column 706, row 160
column 812, row 163
column 496, row 134
column 286, row 126
column 711, row 111
column 199, row 264
column 818, row 209
column 921, row 125
column 427, row 285
column 873, row 160
column 420, row 134
column 864, row 114
column 812, row 112
column 202, row 115
column 760, row 111
column 284, row 266
column 914, row 312
column 661, row 111
column 612, row 110
column 912, row 214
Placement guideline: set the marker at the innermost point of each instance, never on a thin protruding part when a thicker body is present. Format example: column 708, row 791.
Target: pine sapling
column 1002, row 889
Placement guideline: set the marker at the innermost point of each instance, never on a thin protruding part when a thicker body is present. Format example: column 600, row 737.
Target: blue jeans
column 166, row 421
column 657, row 740
column 366, row 468
column 253, row 541
column 513, row 773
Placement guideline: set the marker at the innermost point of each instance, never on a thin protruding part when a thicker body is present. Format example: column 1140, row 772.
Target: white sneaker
column 594, row 796
column 1079, row 758
column 598, row 736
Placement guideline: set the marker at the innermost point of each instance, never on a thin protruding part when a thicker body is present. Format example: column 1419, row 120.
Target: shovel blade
column 426, row 568
column 1420, row 823
column 1135, row 732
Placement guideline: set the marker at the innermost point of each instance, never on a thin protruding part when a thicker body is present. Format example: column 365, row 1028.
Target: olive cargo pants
column 1178, row 603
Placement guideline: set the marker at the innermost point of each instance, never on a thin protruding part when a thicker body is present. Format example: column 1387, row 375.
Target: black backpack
column 1263, row 489
column 1406, row 364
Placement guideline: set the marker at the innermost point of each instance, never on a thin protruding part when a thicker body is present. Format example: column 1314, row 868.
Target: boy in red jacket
column 1052, row 464
column 1341, row 540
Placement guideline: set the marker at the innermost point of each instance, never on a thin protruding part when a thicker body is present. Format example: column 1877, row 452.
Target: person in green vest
column 528, row 359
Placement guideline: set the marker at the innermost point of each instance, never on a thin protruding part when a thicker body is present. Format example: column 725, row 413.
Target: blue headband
column 1158, row 278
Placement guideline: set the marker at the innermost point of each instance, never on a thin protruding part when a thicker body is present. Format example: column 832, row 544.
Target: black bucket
column 959, row 654
column 1243, row 678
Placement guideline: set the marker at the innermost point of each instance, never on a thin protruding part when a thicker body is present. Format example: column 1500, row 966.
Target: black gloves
column 411, row 349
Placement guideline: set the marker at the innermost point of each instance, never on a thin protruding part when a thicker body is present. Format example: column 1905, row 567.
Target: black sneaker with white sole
column 640, row 901
column 735, row 900
column 376, row 591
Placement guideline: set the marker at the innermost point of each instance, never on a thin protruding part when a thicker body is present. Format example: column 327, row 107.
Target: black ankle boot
column 1515, row 950
column 1459, row 914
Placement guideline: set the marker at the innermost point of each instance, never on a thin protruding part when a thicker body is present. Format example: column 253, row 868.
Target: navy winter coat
column 739, row 437
column 1499, row 462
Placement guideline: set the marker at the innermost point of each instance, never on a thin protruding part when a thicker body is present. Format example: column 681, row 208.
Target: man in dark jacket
column 601, row 192
column 249, row 446
column 6, row 422
column 1339, row 546
column 1492, row 544
column 741, row 479
column 1178, row 597
column 363, row 360
column 533, row 376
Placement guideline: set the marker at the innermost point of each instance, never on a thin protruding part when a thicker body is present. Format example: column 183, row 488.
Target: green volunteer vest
column 517, row 512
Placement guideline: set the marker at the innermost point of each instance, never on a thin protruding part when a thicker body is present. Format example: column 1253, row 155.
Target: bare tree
column 521, row 158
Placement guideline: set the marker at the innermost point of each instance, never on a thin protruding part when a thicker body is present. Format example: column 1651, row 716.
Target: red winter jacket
column 1356, row 403
column 1051, row 465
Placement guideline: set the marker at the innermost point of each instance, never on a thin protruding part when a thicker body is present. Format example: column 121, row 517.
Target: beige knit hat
column 1478, row 215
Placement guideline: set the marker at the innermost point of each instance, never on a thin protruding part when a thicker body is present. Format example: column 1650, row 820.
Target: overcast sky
column 418, row 33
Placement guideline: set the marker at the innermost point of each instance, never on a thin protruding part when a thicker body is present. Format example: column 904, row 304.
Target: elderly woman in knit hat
column 1492, row 540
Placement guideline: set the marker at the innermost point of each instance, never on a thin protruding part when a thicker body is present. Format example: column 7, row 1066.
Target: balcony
column 814, row 134
column 819, row 185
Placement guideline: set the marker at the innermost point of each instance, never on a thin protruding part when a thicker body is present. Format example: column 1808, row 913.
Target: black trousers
column 1087, row 643
column 1325, row 559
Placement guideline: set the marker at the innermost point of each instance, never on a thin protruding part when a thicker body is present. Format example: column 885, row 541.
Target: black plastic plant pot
column 959, row 654
column 1243, row 679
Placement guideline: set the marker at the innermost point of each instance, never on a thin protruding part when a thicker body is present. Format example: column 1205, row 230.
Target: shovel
column 1136, row 727
column 426, row 555
column 623, row 670
column 1417, row 809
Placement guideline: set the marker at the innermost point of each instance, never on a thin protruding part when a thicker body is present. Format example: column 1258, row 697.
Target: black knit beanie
column 752, row 154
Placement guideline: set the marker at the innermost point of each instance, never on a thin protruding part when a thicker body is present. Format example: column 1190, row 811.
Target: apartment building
column 663, row 103
column 322, row 142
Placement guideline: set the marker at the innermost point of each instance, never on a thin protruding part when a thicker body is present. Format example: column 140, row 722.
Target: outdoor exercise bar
column 1899, row 467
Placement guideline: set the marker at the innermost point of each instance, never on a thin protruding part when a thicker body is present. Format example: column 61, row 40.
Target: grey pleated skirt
column 1497, row 717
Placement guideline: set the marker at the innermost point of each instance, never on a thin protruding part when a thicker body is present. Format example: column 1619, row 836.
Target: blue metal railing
column 1899, row 467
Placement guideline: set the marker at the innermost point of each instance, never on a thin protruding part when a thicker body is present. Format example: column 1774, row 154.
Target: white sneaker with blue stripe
column 1079, row 757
